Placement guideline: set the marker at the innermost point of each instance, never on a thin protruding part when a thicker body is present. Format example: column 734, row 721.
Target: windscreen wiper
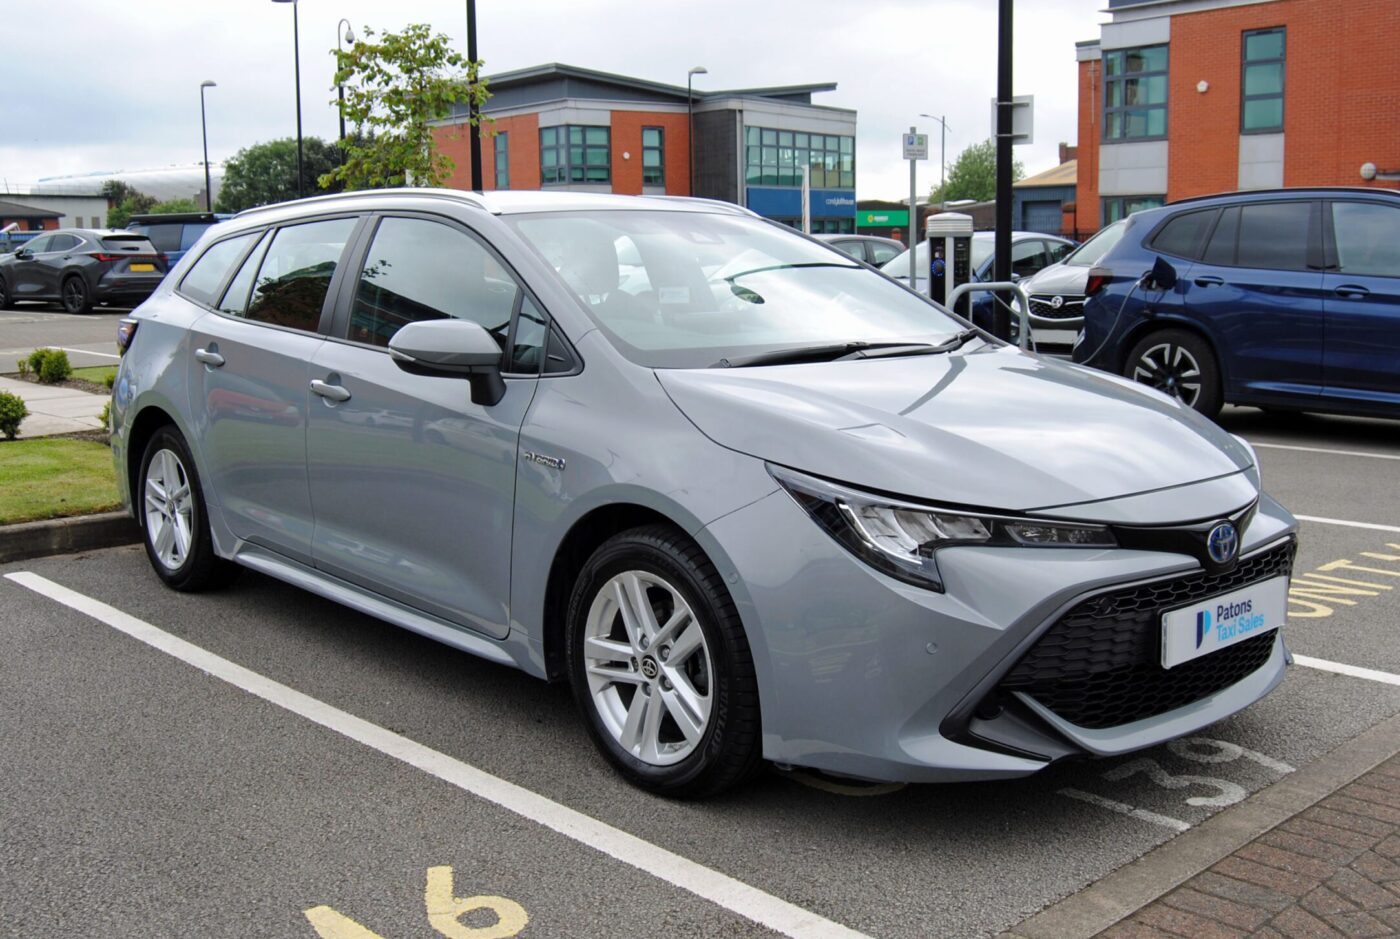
column 825, row 353
column 891, row 350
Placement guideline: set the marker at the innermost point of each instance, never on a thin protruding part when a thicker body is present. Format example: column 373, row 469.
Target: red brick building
column 27, row 217
column 563, row 127
column 1181, row 98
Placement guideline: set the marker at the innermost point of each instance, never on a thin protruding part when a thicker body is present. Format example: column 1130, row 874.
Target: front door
column 248, row 376
column 1361, row 355
column 1257, row 289
column 26, row 274
column 412, row 484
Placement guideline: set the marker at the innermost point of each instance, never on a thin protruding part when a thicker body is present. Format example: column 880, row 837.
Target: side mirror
column 454, row 349
column 23, row 254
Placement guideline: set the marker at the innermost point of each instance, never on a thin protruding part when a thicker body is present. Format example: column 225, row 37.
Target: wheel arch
column 1163, row 324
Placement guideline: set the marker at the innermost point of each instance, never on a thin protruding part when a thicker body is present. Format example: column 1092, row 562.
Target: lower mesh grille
column 1099, row 664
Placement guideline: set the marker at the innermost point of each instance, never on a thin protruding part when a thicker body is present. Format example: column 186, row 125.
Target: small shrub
column 12, row 412
column 23, row 365
column 109, row 380
column 106, row 417
column 52, row 365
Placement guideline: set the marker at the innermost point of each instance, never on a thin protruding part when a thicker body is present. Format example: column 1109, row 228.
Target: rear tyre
column 1180, row 364
column 76, row 296
column 172, row 512
column 4, row 295
column 660, row 665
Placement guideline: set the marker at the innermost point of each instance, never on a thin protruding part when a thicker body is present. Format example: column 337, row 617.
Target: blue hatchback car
column 1281, row 299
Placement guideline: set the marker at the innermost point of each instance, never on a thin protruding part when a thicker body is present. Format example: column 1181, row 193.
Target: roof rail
column 1286, row 190
column 459, row 195
column 732, row 207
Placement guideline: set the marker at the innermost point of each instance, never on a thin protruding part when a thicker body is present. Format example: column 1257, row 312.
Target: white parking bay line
column 105, row 355
column 734, row 895
column 1355, row 671
column 1122, row 808
column 1345, row 523
column 1289, row 446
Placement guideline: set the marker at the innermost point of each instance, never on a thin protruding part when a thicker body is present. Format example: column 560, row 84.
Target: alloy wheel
column 649, row 667
column 74, row 295
column 1171, row 368
column 169, row 509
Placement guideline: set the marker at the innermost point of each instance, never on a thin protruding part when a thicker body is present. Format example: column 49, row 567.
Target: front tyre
column 1180, row 364
column 660, row 665
column 174, row 519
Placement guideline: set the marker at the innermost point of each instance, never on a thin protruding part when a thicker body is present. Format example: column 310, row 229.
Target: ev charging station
column 950, row 232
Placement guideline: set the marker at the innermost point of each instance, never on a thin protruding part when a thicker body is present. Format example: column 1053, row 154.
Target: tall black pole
column 690, row 131
column 340, row 86
column 204, row 129
column 1001, row 319
column 296, row 57
column 473, row 112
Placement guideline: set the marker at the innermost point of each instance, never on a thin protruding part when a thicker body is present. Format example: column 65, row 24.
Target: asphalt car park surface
column 88, row 340
column 143, row 795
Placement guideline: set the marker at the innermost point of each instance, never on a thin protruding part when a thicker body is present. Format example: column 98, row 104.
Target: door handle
column 1351, row 290
column 329, row 391
column 1209, row 280
column 211, row 359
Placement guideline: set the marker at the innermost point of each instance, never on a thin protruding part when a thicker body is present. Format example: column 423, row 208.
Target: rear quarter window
column 1182, row 234
column 208, row 274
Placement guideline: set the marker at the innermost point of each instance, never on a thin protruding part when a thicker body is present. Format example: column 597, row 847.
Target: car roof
column 172, row 218
column 1297, row 192
column 504, row 202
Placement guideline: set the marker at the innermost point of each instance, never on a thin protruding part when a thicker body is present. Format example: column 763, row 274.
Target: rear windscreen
column 164, row 237
column 129, row 244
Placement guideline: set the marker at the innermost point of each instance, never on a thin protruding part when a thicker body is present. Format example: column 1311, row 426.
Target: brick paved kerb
column 1332, row 872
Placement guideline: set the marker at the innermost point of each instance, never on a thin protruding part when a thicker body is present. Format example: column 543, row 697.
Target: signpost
column 915, row 149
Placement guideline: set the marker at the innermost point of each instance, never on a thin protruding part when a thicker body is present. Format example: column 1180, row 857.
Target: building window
column 776, row 158
column 653, row 156
column 574, row 154
column 1135, row 93
column 503, row 160
column 1261, row 95
column 1120, row 207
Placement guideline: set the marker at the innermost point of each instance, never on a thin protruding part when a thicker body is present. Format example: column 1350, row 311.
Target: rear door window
column 295, row 274
column 854, row 248
column 1221, row 249
column 203, row 281
column 63, row 243
column 1027, row 257
column 1274, row 235
column 1182, row 235
column 885, row 253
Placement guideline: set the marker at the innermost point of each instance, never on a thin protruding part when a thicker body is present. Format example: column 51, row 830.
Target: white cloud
column 116, row 86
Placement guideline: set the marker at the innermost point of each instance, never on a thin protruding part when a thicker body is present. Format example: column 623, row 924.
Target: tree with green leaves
column 267, row 172
column 396, row 86
column 124, row 201
column 174, row 207
column 973, row 175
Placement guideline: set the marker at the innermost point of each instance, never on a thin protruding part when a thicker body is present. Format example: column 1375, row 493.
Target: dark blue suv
column 1282, row 299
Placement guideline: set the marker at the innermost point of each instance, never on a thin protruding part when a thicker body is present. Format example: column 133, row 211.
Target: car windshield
column 982, row 246
column 684, row 289
column 1096, row 247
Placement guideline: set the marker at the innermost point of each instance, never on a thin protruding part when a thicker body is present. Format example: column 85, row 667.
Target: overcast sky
column 91, row 85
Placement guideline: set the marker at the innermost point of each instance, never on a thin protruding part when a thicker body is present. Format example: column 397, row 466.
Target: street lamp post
column 296, row 58
column 690, row 121
column 339, row 88
column 204, row 131
column 473, row 110
column 942, row 150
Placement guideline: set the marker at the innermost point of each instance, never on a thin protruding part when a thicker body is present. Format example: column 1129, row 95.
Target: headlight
column 902, row 539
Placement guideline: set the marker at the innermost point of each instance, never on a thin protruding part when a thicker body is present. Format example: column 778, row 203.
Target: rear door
column 1257, row 292
column 249, row 378
column 413, row 484
column 1361, row 350
column 56, row 258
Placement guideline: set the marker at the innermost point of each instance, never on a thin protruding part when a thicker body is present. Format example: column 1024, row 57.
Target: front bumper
column 865, row 676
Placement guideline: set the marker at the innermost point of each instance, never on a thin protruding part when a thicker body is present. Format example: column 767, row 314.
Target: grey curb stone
column 66, row 535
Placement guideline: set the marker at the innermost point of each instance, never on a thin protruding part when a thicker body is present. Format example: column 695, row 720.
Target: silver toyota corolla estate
column 751, row 498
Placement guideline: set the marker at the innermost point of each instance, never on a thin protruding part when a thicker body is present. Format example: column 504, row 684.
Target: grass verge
column 54, row 478
column 97, row 374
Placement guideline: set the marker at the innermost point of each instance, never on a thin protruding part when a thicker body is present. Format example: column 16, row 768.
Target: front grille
column 1099, row 664
column 1073, row 308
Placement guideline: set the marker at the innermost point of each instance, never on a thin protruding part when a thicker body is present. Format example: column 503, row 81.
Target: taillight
column 104, row 256
column 1098, row 277
column 126, row 331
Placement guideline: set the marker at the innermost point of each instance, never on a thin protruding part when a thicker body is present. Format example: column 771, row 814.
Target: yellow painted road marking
column 332, row 925
column 1315, row 594
column 446, row 911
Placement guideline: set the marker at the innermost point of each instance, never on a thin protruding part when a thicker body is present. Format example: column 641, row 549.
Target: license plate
column 142, row 268
column 1208, row 625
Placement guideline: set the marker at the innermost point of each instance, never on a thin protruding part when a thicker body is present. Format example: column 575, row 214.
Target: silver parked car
column 1057, row 292
column 750, row 498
